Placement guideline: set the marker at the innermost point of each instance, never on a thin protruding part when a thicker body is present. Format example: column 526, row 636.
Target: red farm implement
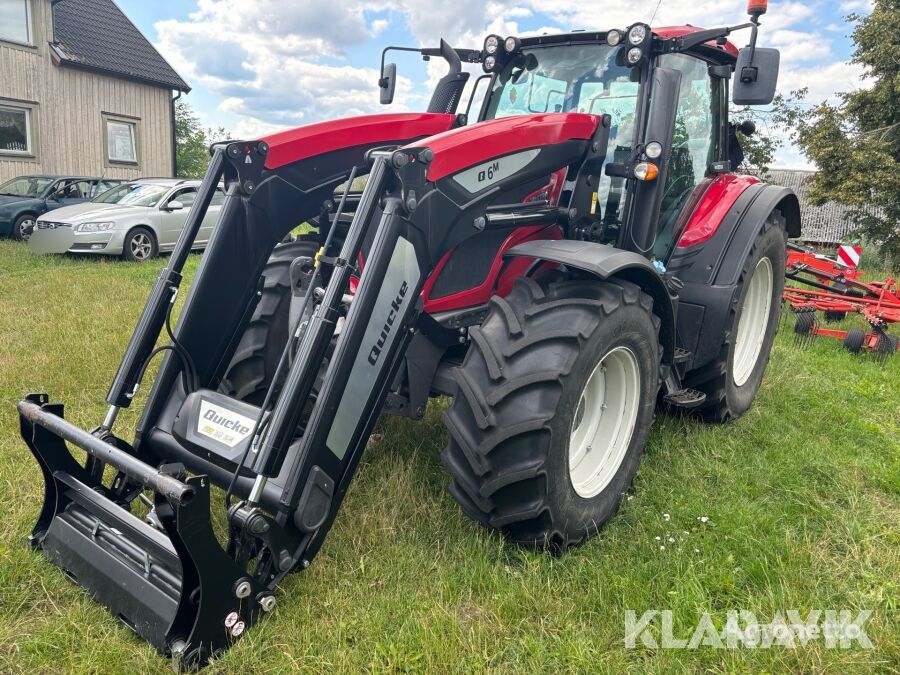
column 836, row 289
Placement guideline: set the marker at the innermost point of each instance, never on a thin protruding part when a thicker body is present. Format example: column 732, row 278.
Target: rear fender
column 710, row 269
column 606, row 262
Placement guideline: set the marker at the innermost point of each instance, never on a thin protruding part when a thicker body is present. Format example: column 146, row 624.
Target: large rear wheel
column 556, row 398
column 732, row 380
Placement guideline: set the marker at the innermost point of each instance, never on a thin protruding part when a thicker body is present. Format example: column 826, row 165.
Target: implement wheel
column 556, row 398
column 854, row 339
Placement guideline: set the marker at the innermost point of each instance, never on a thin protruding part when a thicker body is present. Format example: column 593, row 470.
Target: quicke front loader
column 578, row 255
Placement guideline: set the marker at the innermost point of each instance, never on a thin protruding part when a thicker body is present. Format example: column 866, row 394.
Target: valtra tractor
column 577, row 255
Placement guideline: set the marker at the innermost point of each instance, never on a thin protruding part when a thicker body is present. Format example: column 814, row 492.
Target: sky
column 257, row 66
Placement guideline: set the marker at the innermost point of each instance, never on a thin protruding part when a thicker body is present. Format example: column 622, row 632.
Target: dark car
column 25, row 198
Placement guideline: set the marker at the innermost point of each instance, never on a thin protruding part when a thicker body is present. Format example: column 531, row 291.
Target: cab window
column 695, row 144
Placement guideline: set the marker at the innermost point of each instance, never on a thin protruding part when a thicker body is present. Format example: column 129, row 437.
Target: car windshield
column 133, row 194
column 26, row 186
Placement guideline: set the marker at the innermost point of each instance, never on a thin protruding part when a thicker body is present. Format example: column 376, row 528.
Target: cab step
column 685, row 398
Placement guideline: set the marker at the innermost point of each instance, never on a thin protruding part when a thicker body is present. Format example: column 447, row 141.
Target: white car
column 135, row 220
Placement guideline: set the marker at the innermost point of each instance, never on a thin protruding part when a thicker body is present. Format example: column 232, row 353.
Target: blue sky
column 260, row 65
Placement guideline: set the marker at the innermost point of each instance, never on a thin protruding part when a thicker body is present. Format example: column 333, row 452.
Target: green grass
column 802, row 496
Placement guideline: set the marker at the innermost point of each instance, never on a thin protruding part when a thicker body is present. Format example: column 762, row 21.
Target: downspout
column 174, row 141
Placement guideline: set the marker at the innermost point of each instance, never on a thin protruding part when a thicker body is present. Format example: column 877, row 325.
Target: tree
column 855, row 143
column 192, row 142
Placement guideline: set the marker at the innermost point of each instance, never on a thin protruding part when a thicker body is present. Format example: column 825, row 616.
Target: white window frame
column 29, row 29
column 29, row 136
column 133, row 127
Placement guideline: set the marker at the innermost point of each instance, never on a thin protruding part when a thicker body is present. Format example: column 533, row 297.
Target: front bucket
column 175, row 586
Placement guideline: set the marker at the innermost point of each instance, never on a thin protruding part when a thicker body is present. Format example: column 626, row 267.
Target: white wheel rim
column 141, row 246
column 26, row 227
column 751, row 331
column 604, row 422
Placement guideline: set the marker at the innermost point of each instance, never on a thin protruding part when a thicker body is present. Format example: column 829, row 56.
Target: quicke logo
column 236, row 426
column 375, row 352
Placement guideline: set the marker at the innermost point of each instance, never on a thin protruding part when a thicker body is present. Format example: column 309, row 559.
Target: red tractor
column 575, row 256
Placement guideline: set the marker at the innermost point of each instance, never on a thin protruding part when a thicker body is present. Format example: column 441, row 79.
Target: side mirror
column 755, row 76
column 388, row 83
column 174, row 205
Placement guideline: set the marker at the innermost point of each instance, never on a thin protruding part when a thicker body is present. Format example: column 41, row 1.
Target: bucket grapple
column 550, row 268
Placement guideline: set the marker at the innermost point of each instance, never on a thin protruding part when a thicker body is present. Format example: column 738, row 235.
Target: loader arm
column 195, row 598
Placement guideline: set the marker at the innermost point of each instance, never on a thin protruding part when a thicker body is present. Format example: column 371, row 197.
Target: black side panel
column 710, row 269
column 470, row 263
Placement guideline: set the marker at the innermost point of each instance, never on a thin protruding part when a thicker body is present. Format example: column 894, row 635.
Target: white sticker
column 484, row 175
column 222, row 425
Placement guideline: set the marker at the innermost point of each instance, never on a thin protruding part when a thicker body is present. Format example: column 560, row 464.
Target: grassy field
column 794, row 506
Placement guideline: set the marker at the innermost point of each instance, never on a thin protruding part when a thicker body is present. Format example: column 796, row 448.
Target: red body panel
column 499, row 280
column 715, row 203
column 464, row 147
column 669, row 32
column 293, row 145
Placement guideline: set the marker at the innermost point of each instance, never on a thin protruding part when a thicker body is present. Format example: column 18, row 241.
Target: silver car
column 135, row 220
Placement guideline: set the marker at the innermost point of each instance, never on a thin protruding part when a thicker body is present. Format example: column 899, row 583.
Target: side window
column 695, row 143
column 186, row 197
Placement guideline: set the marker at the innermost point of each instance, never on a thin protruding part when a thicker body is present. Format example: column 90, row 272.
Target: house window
column 15, row 21
column 15, row 130
column 121, row 142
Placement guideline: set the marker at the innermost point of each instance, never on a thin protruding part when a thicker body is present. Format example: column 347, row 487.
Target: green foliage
column 856, row 142
column 192, row 142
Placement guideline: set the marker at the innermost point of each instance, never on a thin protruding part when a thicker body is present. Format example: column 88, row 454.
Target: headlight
column 492, row 44
column 637, row 34
column 489, row 63
column 653, row 150
column 634, row 55
column 94, row 227
column 613, row 37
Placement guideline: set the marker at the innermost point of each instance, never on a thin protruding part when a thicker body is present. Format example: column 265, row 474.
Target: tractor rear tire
column 254, row 362
column 732, row 381
column 519, row 459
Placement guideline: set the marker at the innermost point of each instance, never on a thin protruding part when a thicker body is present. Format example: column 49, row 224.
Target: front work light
column 637, row 34
column 613, row 37
column 512, row 44
column 489, row 63
column 491, row 44
column 634, row 55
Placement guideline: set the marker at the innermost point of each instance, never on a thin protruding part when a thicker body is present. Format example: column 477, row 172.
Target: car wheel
column 23, row 228
column 140, row 245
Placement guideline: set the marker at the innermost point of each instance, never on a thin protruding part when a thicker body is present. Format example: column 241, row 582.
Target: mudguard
column 710, row 268
column 605, row 262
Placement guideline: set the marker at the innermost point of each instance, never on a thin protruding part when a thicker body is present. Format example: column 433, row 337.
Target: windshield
column 133, row 194
column 575, row 78
column 566, row 78
column 26, row 186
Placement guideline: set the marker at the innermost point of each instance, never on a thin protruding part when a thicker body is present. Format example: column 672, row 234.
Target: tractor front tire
column 732, row 381
column 254, row 362
column 555, row 400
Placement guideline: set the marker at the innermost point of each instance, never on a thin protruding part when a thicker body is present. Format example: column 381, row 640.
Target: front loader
column 578, row 255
